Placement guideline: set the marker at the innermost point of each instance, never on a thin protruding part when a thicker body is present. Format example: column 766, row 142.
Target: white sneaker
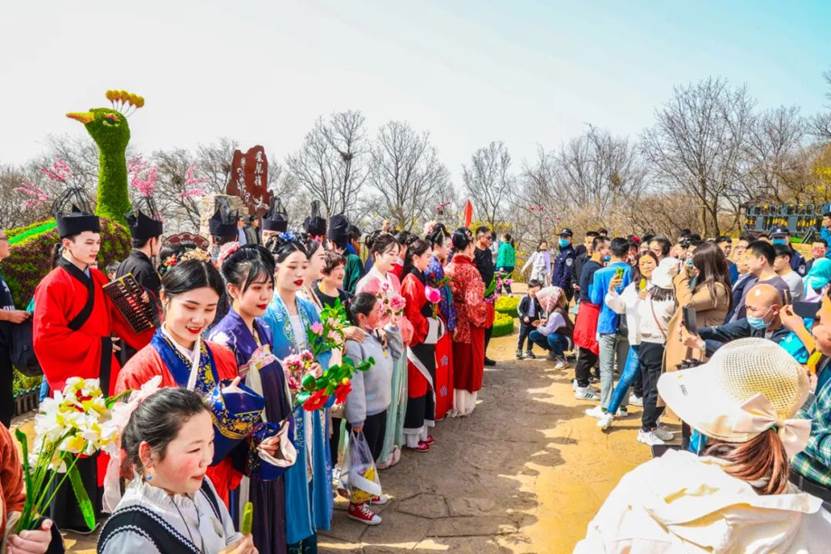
column 663, row 433
column 597, row 412
column 622, row 412
column 606, row 421
column 585, row 394
column 561, row 363
column 574, row 384
column 649, row 438
column 636, row 401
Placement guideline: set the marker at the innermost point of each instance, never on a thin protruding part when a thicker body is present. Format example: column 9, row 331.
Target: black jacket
column 483, row 259
column 142, row 269
column 525, row 308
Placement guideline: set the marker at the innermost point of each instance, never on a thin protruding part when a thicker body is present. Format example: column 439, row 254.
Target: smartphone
column 806, row 310
column 690, row 320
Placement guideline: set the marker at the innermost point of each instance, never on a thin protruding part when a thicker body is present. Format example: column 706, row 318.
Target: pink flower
column 397, row 303
column 307, row 356
column 317, row 328
column 433, row 295
column 59, row 171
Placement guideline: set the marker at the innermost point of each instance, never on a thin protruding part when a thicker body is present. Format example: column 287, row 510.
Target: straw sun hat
column 747, row 387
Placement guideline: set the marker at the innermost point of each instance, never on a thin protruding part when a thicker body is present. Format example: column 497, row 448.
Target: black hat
column 779, row 232
column 276, row 218
column 223, row 223
column 314, row 224
column 566, row 232
column 143, row 227
column 76, row 222
column 339, row 230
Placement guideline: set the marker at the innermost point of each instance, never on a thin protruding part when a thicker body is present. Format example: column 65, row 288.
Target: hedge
column 507, row 305
column 502, row 325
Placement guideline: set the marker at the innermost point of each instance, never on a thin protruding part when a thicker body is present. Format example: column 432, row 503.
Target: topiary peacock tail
column 109, row 129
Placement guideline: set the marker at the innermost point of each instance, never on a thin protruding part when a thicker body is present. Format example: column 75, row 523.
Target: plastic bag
column 359, row 475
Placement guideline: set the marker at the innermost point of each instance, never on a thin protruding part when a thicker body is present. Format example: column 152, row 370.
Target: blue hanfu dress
column 268, row 497
column 308, row 483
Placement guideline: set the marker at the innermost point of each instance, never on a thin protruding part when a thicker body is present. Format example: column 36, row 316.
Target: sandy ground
column 524, row 473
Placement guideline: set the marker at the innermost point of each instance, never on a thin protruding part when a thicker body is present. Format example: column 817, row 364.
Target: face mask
column 779, row 242
column 563, row 243
column 757, row 323
column 607, row 258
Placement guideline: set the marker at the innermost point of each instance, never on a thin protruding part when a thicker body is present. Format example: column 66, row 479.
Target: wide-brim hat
column 748, row 386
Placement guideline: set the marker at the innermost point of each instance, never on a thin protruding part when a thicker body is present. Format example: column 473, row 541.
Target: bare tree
column 489, row 182
column 821, row 124
column 697, row 146
column 775, row 170
column 332, row 163
column 406, row 174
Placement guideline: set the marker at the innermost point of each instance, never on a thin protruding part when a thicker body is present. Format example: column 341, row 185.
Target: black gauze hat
column 339, row 230
column 76, row 222
column 276, row 218
column 223, row 223
column 143, row 227
column 314, row 224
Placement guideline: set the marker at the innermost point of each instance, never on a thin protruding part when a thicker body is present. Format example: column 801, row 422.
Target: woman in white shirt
column 735, row 497
column 170, row 506
column 627, row 303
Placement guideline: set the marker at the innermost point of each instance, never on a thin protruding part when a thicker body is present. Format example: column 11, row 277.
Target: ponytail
column 762, row 461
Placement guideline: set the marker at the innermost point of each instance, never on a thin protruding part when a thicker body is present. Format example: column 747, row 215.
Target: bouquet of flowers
column 393, row 302
column 491, row 293
column 75, row 422
column 296, row 367
column 328, row 333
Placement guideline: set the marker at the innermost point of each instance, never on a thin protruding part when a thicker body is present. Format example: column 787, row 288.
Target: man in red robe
column 73, row 326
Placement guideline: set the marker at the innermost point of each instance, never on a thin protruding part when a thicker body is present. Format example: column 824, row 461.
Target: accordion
column 126, row 293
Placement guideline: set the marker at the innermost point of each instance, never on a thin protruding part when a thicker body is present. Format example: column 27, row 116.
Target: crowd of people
column 734, row 339
column 227, row 318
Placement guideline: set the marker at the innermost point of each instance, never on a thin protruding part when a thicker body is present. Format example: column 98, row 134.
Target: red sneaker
column 379, row 500
column 362, row 513
column 430, row 440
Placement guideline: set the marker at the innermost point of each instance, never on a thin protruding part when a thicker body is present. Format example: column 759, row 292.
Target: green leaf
column 83, row 499
column 27, row 476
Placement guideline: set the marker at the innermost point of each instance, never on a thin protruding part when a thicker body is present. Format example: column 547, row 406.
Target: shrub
column 502, row 325
column 507, row 305
column 22, row 385
column 31, row 257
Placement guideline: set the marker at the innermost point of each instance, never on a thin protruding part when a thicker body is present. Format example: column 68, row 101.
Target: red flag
column 468, row 213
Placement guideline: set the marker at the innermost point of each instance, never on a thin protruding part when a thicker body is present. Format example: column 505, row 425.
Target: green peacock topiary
column 109, row 129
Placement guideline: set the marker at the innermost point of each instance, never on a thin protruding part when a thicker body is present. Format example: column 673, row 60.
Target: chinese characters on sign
column 249, row 180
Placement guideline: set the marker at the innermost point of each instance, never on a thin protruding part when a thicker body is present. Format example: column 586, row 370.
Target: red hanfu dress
column 421, row 360
column 71, row 333
column 469, row 336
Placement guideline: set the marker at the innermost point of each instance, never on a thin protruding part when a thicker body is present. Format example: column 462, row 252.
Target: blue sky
column 469, row 72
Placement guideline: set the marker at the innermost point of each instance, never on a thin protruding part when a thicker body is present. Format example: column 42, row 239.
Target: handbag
column 21, row 349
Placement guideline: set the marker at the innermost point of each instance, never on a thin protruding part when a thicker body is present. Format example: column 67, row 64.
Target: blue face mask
column 757, row 323
column 563, row 243
column 607, row 258
column 780, row 242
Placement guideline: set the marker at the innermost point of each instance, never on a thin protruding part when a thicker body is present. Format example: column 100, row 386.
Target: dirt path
column 524, row 473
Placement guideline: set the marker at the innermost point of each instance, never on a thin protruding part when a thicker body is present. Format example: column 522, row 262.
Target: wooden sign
column 249, row 180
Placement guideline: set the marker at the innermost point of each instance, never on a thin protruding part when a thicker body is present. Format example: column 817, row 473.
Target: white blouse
column 194, row 518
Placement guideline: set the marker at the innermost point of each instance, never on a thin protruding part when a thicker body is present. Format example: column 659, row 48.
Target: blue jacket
column 564, row 268
column 716, row 337
column 608, row 321
column 732, row 272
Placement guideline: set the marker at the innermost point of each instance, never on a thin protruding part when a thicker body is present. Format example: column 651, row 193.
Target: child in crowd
column 540, row 263
column 367, row 403
column 530, row 312
column 170, row 505
column 556, row 334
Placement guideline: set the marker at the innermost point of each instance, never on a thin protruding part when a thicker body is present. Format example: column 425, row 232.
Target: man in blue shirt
column 613, row 341
column 726, row 245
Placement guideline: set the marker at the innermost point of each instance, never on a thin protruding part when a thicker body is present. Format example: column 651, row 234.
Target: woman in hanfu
column 382, row 282
column 421, row 355
column 308, row 483
column 177, row 354
column 471, row 309
column 440, row 240
column 249, row 280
